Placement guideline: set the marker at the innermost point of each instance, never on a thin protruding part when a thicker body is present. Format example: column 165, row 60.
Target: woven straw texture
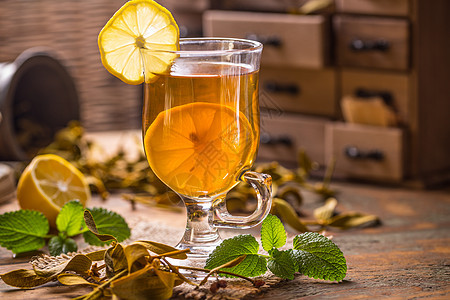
column 70, row 29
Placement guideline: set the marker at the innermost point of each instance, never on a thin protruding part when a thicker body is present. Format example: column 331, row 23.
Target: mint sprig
column 313, row 254
column 26, row 230
column 23, row 230
column 273, row 234
column 70, row 218
column 252, row 265
column 319, row 257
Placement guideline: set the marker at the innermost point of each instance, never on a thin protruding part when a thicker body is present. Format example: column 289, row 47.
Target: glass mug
column 201, row 133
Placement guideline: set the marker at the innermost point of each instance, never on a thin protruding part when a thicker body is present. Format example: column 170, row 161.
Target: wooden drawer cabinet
column 366, row 151
column 289, row 40
column 284, row 134
column 394, row 88
column 372, row 42
column 299, row 90
column 398, row 8
column 397, row 49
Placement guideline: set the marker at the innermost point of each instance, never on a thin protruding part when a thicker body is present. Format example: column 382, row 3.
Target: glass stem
column 200, row 236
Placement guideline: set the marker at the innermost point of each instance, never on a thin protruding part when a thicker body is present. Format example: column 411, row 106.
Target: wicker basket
column 70, row 28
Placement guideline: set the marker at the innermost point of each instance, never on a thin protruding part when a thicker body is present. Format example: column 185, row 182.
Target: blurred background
column 363, row 84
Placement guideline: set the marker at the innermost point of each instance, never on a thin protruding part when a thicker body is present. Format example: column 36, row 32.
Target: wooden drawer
column 372, row 42
column 299, row 90
column 366, row 151
column 282, row 135
column 289, row 40
column 393, row 87
column 374, row 7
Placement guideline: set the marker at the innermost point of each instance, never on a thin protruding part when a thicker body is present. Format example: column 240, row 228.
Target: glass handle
column 262, row 183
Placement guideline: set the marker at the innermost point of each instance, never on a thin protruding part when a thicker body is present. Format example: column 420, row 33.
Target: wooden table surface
column 407, row 257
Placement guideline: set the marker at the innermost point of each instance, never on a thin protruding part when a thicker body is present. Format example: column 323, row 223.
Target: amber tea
column 201, row 126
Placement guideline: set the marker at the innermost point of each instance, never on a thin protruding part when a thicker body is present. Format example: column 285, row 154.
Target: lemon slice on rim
column 48, row 183
column 135, row 39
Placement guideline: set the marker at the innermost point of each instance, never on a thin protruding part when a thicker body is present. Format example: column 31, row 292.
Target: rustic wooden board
column 408, row 256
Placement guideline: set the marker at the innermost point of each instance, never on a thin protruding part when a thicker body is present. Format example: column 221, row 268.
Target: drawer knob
column 268, row 139
column 270, row 40
column 377, row 45
column 275, row 87
column 355, row 153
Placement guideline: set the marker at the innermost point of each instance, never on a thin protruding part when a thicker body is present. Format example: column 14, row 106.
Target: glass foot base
column 199, row 251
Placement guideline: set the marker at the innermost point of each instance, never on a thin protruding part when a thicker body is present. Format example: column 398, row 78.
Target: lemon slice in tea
column 49, row 182
column 199, row 149
column 134, row 41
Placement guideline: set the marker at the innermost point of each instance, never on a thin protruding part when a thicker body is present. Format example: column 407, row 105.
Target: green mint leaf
column 70, row 218
column 319, row 257
column 23, row 230
column 107, row 222
column 273, row 234
column 58, row 245
column 253, row 264
column 282, row 264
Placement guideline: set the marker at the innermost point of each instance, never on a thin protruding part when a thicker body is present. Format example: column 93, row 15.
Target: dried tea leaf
column 31, row 278
column 288, row 214
column 24, row 279
column 115, row 260
column 141, row 284
column 159, row 248
column 96, row 294
column 90, row 223
column 110, row 225
column 133, row 253
column 73, row 279
column 352, row 219
column 96, row 255
column 79, row 264
column 166, row 277
column 326, row 211
column 279, row 173
column 305, row 164
column 291, row 194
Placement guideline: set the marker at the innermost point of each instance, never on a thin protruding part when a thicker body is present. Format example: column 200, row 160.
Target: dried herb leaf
column 159, row 248
column 115, row 260
column 96, row 255
column 141, row 284
column 326, row 211
column 352, row 219
column 290, row 193
column 31, row 278
column 166, row 277
column 79, row 264
column 73, row 279
column 90, row 223
column 288, row 214
column 24, row 279
column 133, row 253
